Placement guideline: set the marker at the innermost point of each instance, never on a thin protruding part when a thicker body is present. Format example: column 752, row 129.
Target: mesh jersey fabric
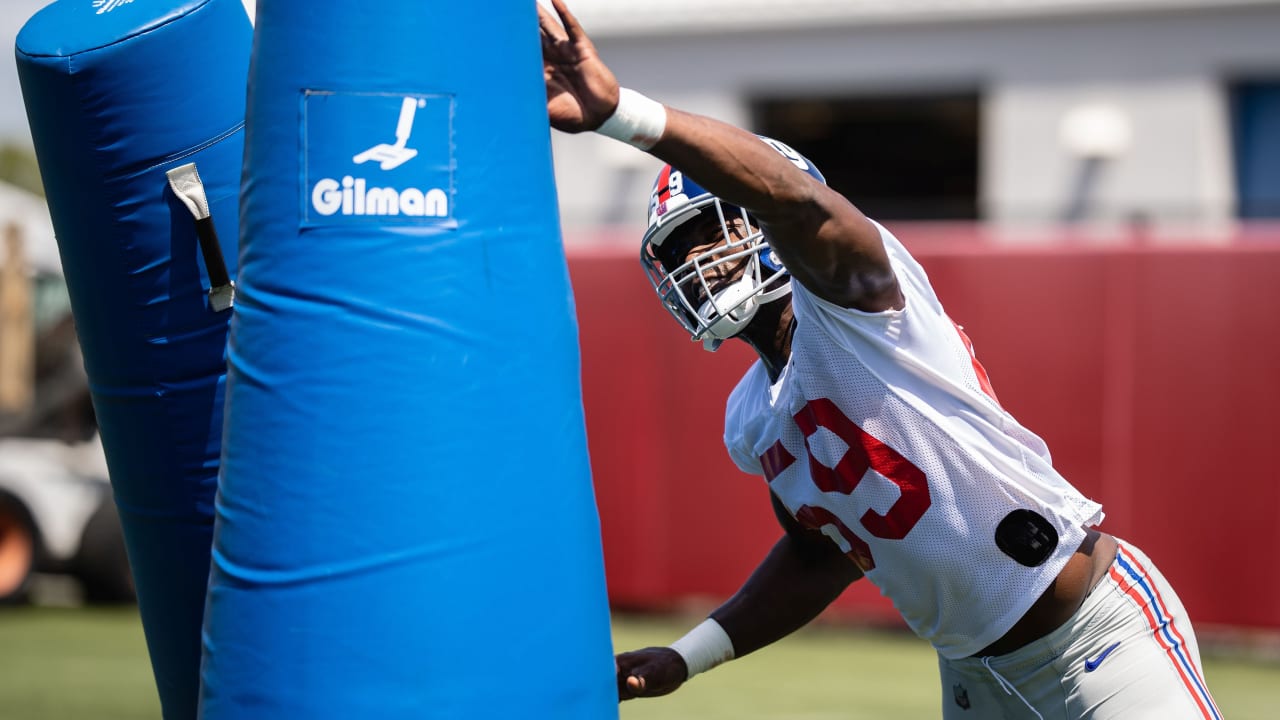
column 879, row 432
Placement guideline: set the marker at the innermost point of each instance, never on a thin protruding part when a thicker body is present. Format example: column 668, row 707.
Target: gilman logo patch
column 375, row 157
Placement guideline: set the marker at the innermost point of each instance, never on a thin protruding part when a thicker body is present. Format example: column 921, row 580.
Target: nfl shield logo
column 962, row 696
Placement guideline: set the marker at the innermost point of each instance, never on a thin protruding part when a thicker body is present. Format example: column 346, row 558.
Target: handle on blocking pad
column 186, row 184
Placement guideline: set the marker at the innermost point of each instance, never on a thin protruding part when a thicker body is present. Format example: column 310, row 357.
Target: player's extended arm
column 803, row 574
column 799, row 578
column 825, row 242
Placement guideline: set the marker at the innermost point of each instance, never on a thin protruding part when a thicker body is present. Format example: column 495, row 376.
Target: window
column 1255, row 119
column 911, row 157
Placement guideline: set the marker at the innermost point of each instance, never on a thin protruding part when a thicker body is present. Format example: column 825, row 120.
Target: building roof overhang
column 645, row 17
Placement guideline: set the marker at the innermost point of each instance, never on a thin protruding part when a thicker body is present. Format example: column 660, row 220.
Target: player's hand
column 581, row 91
column 649, row 672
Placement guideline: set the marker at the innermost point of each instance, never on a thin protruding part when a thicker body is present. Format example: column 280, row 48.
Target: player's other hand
column 581, row 91
column 649, row 672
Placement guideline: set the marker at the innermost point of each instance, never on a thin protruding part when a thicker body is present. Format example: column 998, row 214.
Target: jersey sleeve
column 743, row 459
column 737, row 417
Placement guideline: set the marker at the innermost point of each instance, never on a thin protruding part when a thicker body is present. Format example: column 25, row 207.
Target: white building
column 1015, row 112
column 29, row 216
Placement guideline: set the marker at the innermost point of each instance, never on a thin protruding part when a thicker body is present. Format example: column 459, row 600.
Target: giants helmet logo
column 670, row 184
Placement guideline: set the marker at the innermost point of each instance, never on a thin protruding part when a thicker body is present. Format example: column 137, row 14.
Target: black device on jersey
column 1027, row 537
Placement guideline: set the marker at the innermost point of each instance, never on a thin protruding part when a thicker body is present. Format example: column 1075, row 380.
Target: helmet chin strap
column 740, row 296
column 744, row 299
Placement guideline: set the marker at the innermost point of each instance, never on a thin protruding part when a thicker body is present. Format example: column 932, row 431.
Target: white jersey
column 882, row 432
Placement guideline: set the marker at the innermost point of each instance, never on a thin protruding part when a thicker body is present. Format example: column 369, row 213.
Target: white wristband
column 704, row 647
column 637, row 121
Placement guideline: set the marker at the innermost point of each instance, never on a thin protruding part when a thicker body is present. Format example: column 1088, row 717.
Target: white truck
column 56, row 510
column 57, row 516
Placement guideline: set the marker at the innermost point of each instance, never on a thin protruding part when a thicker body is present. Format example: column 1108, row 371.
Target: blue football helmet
column 681, row 281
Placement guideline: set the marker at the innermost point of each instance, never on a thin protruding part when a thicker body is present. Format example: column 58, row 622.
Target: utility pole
column 17, row 328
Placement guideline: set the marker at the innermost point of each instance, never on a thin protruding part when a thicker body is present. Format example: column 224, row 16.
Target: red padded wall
column 679, row 519
column 1151, row 372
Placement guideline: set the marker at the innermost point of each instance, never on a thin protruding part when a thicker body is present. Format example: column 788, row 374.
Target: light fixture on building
column 1096, row 130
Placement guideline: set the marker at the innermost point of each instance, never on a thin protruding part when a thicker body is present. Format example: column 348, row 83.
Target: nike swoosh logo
column 1091, row 665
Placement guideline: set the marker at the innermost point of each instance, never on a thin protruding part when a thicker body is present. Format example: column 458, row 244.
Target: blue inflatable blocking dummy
column 406, row 524
column 137, row 111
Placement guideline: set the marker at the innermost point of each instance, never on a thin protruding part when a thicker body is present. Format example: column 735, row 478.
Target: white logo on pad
column 391, row 157
column 106, row 6
column 353, row 196
column 414, row 181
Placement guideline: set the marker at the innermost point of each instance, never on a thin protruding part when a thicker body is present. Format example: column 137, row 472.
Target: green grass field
column 57, row 664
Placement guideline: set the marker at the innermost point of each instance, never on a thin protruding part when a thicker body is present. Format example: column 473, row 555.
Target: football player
column 887, row 452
